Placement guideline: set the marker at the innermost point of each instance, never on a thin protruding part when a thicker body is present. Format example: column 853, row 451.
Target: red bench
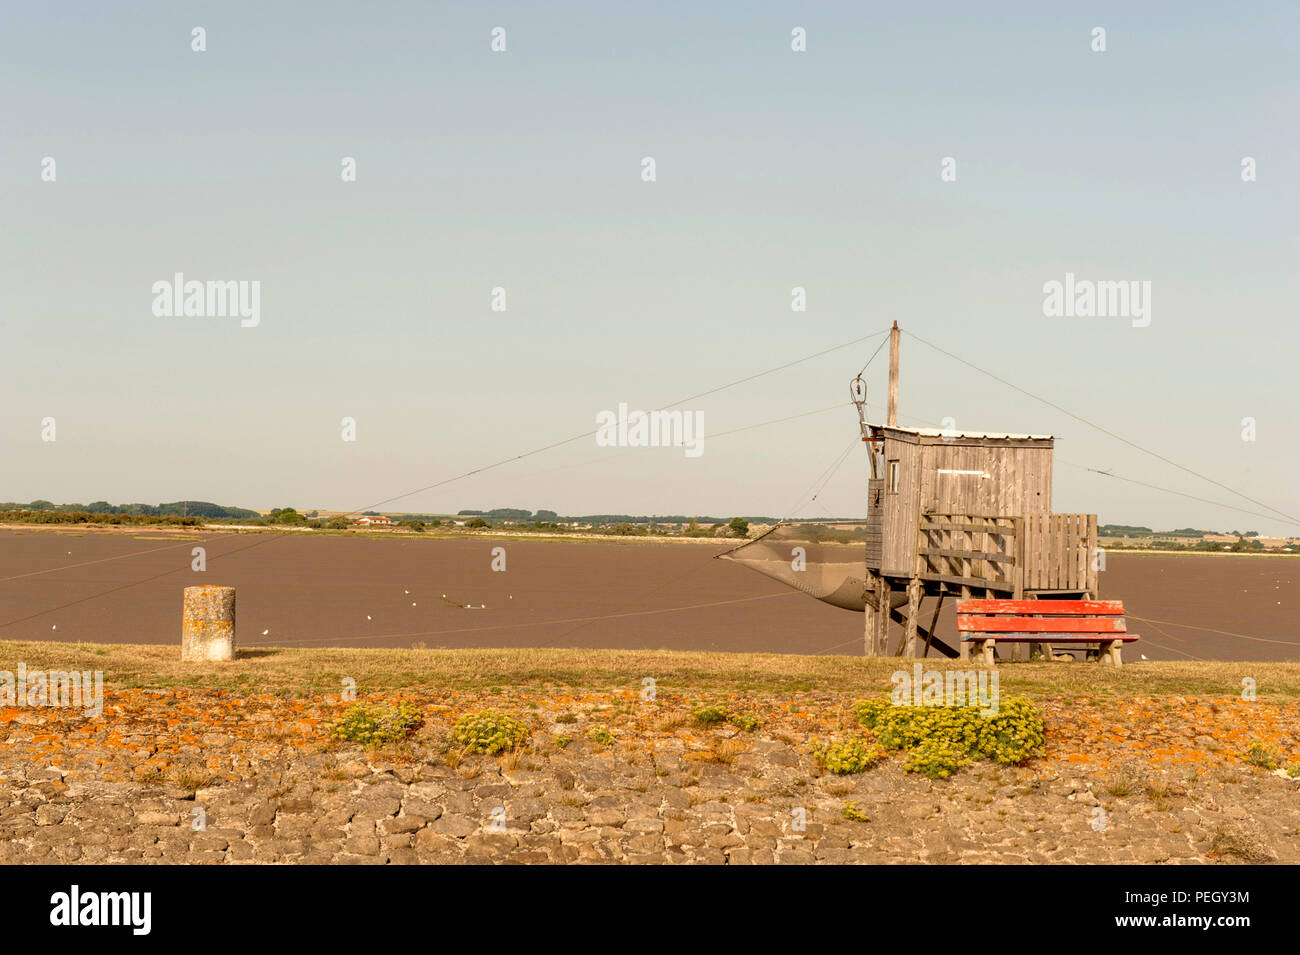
column 982, row 623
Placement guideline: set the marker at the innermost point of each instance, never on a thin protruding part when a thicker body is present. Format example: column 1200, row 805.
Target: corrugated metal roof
column 959, row 433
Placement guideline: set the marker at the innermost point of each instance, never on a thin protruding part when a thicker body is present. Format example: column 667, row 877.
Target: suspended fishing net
column 824, row 560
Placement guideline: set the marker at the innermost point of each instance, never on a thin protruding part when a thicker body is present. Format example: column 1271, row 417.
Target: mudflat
column 309, row 590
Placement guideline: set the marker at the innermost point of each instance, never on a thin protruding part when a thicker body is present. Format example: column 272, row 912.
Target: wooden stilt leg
column 882, row 619
column 869, row 623
column 929, row 634
column 965, row 650
column 912, row 646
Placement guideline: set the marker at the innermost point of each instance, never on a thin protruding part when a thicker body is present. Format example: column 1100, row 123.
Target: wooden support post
column 869, row 597
column 892, row 415
column 875, row 634
column 965, row 647
column 911, row 644
column 882, row 619
column 869, row 622
column 929, row 634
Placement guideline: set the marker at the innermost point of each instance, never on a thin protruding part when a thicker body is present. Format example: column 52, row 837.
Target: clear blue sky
column 775, row 169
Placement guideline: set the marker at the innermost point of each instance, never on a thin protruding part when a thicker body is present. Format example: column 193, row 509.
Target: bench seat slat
column 1050, row 638
column 1053, row 607
column 1045, row 625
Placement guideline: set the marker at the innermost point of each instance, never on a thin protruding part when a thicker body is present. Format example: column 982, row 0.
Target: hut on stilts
column 949, row 512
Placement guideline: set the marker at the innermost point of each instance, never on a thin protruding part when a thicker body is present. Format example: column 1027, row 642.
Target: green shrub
column 489, row 732
column 1257, row 754
column 373, row 724
column 1015, row 735
column 709, row 714
column 851, row 812
column 955, row 735
column 599, row 734
column 936, row 758
column 848, row 756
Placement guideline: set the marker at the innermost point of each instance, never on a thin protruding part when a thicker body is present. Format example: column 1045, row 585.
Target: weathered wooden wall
column 875, row 521
column 1057, row 553
column 1019, row 484
column 1019, row 481
column 901, row 507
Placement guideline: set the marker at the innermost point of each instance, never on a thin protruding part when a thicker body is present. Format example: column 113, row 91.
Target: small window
column 892, row 483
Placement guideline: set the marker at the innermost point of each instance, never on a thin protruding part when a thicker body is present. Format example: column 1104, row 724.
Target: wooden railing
column 1045, row 552
column 1057, row 553
column 969, row 550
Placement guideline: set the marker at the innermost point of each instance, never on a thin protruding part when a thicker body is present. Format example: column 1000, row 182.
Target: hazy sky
column 523, row 170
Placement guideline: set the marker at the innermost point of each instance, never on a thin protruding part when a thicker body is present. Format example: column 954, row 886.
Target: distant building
column 374, row 522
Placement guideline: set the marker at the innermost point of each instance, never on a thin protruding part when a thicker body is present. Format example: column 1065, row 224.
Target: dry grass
column 312, row 672
column 190, row 778
column 1233, row 844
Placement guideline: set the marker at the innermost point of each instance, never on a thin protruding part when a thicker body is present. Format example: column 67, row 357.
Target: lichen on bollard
column 208, row 624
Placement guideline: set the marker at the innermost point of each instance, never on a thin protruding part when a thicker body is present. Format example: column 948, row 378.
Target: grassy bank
column 308, row 672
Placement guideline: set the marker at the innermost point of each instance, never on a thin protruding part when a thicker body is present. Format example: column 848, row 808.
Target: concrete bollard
column 208, row 624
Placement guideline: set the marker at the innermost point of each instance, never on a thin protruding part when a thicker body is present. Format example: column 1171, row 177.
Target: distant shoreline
column 442, row 533
column 436, row 534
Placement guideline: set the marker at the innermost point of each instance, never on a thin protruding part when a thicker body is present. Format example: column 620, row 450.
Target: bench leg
column 987, row 649
column 1108, row 652
column 964, row 650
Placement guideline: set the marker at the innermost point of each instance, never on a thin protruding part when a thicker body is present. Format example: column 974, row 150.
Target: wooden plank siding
column 1050, row 552
column 1019, row 483
column 902, row 507
column 875, row 521
column 968, row 550
column 1059, row 550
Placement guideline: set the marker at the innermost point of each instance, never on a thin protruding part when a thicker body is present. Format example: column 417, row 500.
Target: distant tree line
column 521, row 514
column 177, row 513
column 174, row 509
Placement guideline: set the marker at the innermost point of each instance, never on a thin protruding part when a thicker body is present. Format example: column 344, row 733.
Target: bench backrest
column 1041, row 616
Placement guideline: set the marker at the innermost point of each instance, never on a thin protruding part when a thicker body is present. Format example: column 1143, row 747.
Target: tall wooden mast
column 892, row 417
